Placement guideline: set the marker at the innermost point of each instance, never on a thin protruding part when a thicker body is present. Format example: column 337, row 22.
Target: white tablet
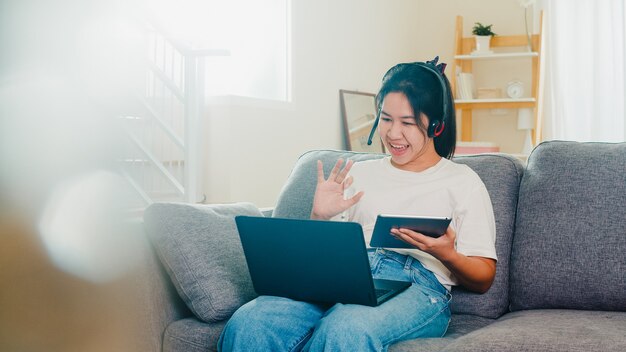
column 429, row 226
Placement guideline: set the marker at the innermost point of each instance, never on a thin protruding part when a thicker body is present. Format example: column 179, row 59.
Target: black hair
column 423, row 89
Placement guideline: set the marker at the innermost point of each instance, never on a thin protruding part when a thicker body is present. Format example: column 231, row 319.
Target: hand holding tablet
column 429, row 226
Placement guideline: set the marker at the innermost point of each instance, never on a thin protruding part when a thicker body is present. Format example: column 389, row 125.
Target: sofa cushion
column 570, row 240
column 200, row 249
column 192, row 335
column 548, row 330
column 460, row 325
column 501, row 175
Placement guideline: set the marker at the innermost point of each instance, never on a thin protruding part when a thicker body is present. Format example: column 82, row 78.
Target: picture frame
column 359, row 111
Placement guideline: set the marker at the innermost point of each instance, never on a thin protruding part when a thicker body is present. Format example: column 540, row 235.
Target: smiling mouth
column 398, row 147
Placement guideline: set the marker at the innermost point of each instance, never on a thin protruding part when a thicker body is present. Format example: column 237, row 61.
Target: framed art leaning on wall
column 359, row 113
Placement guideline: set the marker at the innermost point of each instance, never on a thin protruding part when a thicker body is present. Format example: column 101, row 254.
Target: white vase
column 482, row 43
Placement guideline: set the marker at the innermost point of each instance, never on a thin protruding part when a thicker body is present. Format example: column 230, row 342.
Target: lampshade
column 525, row 119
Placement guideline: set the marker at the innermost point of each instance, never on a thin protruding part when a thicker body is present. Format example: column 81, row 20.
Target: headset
column 435, row 126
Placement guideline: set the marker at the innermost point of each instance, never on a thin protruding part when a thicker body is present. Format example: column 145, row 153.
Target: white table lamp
column 525, row 121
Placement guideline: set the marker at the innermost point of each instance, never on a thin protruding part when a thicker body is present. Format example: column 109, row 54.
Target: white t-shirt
column 446, row 189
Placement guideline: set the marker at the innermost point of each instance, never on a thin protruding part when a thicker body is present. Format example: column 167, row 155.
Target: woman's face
column 408, row 145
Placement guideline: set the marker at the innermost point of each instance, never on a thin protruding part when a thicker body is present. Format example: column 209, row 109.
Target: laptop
column 312, row 260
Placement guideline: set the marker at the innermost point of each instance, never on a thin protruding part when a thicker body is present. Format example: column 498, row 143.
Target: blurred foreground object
column 68, row 256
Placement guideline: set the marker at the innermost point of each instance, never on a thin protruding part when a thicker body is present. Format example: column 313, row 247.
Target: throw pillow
column 200, row 249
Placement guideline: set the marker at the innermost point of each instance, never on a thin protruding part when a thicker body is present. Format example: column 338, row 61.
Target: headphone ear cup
column 435, row 128
column 432, row 126
column 439, row 128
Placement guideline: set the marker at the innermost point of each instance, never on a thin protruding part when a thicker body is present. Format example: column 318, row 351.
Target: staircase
column 162, row 127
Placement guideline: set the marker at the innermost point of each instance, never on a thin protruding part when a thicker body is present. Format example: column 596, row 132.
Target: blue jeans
column 280, row 324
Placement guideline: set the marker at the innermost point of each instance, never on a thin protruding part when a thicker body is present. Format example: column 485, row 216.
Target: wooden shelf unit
column 463, row 58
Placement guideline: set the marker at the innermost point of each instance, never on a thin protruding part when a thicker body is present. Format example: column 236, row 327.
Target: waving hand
column 329, row 200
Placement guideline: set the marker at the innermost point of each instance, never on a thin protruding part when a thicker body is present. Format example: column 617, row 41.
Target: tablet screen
column 429, row 226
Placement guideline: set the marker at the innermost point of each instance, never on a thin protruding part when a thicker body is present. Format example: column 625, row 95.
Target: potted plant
column 483, row 36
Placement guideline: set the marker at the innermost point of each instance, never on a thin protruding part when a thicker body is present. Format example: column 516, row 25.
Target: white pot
column 482, row 43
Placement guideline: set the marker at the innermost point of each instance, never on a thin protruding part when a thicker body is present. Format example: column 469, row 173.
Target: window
column 255, row 32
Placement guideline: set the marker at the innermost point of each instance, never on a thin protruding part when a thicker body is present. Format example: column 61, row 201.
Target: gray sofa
column 561, row 243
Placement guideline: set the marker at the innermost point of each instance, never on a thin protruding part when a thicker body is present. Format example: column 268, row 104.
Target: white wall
column 250, row 146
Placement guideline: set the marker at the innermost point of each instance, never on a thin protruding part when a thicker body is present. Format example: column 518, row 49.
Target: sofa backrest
column 295, row 200
column 501, row 175
column 569, row 249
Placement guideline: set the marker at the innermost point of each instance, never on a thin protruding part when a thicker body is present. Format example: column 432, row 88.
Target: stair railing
column 164, row 130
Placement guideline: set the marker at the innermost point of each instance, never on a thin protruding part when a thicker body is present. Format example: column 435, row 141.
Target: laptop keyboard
column 380, row 292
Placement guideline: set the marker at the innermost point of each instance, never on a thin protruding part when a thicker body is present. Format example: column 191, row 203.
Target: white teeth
column 398, row 146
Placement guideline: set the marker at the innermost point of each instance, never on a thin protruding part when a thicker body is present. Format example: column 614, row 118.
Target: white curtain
column 584, row 70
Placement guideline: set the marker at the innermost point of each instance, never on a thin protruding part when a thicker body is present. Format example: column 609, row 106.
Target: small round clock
column 515, row 89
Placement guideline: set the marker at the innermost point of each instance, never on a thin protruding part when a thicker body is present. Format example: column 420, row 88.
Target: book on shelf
column 465, row 87
column 465, row 148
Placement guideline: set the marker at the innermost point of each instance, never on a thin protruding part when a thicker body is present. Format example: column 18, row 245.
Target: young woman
column 417, row 126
